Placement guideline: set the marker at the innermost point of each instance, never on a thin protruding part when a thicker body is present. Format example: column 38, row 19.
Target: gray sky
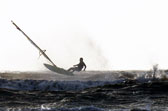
column 108, row 34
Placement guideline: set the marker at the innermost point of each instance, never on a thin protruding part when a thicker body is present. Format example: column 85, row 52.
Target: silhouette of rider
column 78, row 67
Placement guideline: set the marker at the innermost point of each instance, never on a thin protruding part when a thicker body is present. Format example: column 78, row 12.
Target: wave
column 79, row 81
column 42, row 108
column 45, row 85
column 86, row 91
column 98, row 98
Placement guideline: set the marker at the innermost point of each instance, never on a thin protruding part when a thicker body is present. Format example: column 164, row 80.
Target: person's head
column 81, row 59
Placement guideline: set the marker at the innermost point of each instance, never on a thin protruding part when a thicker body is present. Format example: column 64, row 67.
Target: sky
column 108, row 34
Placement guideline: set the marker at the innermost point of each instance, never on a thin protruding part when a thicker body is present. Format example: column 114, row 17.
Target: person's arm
column 84, row 67
column 76, row 65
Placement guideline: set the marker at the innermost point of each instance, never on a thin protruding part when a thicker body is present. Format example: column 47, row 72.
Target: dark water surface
column 85, row 91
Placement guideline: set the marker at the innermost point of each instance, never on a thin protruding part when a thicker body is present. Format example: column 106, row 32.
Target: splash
column 82, row 45
column 155, row 70
column 99, row 56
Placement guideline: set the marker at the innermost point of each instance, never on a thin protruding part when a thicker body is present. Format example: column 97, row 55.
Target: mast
column 42, row 52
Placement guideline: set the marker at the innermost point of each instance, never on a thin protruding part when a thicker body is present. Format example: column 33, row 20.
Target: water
column 84, row 91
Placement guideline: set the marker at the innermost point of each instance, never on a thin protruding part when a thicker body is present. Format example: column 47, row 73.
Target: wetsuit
column 78, row 67
column 81, row 65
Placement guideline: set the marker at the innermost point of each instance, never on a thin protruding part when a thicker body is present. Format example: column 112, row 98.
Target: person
column 78, row 67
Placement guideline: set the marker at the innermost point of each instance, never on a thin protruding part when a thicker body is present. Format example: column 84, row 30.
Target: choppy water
column 84, row 91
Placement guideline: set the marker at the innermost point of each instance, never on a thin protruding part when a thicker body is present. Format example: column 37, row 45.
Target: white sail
column 57, row 69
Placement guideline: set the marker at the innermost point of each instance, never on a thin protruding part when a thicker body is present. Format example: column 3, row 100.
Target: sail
column 53, row 68
column 41, row 51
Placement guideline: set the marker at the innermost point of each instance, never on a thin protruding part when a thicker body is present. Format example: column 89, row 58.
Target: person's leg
column 72, row 69
column 69, row 69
